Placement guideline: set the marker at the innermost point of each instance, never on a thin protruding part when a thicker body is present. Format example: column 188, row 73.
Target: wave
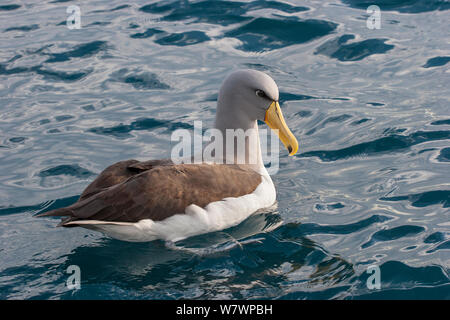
column 391, row 143
column 339, row 49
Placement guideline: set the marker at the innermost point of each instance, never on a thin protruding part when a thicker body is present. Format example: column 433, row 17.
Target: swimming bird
column 159, row 199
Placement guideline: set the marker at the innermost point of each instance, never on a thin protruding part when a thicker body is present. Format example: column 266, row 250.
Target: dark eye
column 261, row 94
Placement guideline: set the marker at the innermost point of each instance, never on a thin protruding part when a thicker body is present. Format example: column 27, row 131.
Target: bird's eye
column 261, row 94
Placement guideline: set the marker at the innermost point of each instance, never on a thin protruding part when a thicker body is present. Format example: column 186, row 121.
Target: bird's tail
column 62, row 212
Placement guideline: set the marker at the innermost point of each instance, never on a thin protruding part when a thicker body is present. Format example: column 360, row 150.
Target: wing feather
column 157, row 191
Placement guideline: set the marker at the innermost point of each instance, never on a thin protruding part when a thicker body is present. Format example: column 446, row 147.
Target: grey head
column 246, row 94
column 250, row 95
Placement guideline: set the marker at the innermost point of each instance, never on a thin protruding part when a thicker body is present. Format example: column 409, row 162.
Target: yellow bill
column 275, row 120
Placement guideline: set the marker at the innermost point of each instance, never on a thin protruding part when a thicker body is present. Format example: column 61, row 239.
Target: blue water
column 369, row 186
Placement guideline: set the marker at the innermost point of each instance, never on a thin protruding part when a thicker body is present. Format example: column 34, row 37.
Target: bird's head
column 253, row 95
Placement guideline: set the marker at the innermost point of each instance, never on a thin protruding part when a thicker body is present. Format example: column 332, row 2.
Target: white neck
column 226, row 118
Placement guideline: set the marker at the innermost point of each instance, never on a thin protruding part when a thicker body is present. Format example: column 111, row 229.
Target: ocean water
column 368, row 187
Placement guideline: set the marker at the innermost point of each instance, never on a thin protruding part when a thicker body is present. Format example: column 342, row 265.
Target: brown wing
column 119, row 172
column 161, row 192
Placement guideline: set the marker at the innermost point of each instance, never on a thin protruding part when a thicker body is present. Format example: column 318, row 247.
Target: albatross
column 159, row 199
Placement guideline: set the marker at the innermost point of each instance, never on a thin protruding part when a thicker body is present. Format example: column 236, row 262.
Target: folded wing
column 130, row 191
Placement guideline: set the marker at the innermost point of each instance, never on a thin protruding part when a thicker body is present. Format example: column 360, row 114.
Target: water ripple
column 262, row 34
column 139, row 80
column 183, row 39
column 425, row 198
column 48, row 74
column 293, row 231
column 147, row 34
column 80, row 51
column 405, row 6
column 122, row 131
column 9, row 7
column 393, row 234
column 436, row 62
column 23, row 28
column 338, row 48
column 66, row 169
column 391, row 143
column 222, row 12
